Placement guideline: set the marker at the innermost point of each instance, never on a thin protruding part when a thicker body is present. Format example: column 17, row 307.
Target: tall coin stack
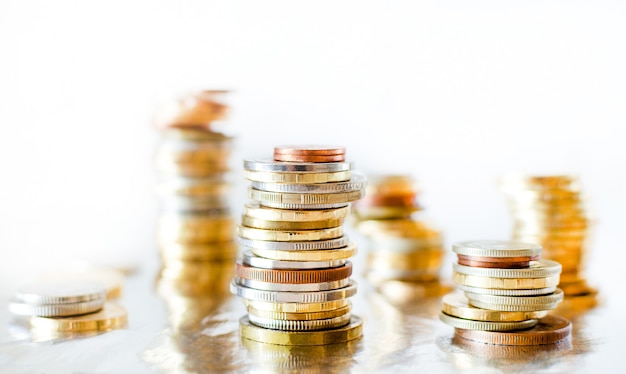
column 508, row 291
column 294, row 277
column 550, row 211
column 195, row 228
column 405, row 254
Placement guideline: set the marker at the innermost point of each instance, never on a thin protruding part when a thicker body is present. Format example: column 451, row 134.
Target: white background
column 452, row 92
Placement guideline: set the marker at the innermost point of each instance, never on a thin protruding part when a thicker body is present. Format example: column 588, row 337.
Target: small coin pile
column 61, row 309
column 294, row 273
column 195, row 228
column 507, row 293
column 402, row 248
column 549, row 210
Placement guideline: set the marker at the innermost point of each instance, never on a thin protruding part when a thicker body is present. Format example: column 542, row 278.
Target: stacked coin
column 508, row 291
column 550, row 210
column 58, row 309
column 402, row 248
column 195, row 229
column 294, row 276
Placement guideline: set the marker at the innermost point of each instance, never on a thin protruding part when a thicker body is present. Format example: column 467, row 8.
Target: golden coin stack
column 294, row 275
column 508, row 291
column 549, row 210
column 65, row 309
column 403, row 250
column 195, row 228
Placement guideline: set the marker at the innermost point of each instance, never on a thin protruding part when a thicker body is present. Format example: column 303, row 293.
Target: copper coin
column 388, row 200
column 293, row 276
column 309, row 150
column 308, row 158
column 496, row 262
column 549, row 329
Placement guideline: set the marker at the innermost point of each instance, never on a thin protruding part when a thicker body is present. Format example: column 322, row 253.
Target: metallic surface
column 176, row 334
column 292, row 276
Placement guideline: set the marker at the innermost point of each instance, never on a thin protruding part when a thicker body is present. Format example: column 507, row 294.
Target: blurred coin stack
column 195, row 227
column 405, row 254
column 549, row 210
column 508, row 291
column 65, row 309
column 294, row 276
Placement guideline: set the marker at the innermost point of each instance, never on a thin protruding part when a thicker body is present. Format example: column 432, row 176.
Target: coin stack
column 508, row 291
column 63, row 309
column 550, row 211
column 294, row 276
column 405, row 253
column 195, row 228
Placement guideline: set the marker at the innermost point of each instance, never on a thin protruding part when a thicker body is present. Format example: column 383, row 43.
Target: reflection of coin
column 549, row 329
column 456, row 304
column 349, row 332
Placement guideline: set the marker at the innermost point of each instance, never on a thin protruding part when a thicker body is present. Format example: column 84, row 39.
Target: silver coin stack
column 195, row 228
column 294, row 276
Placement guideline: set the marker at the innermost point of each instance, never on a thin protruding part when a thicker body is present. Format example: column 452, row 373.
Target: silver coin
column 304, row 206
column 56, row 310
column 293, row 287
column 554, row 297
column 293, row 297
column 503, row 292
column 356, row 183
column 537, row 269
column 304, row 325
column 60, row 292
column 496, row 248
column 466, row 324
column 259, row 262
column 295, row 167
column 314, row 245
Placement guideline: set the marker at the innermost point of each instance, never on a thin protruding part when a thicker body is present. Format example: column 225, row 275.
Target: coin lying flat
column 457, row 305
column 549, row 329
column 351, row 331
column 292, row 167
column 537, row 269
column 468, row 324
column 259, row 262
column 496, row 248
column 112, row 316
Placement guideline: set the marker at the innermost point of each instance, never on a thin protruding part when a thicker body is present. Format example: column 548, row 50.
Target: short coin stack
column 62, row 309
column 294, row 276
column 402, row 248
column 549, row 210
column 508, row 291
column 195, row 229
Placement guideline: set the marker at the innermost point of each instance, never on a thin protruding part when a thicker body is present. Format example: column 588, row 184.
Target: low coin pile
column 294, row 276
column 61, row 309
column 508, row 291
column 401, row 247
column 549, row 210
column 195, row 228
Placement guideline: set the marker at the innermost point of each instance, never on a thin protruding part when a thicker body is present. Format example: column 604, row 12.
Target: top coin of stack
column 507, row 288
column 294, row 276
column 550, row 210
column 402, row 248
column 195, row 229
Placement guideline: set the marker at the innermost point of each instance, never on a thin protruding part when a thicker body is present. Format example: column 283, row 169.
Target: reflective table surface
column 169, row 333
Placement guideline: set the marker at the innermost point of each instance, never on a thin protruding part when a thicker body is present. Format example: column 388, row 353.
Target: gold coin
column 300, row 316
column 255, row 210
column 504, row 283
column 289, row 236
column 303, row 198
column 384, row 212
column 321, row 255
column 199, row 252
column 425, row 259
column 457, row 305
column 468, row 324
column 299, row 178
column 343, row 334
column 195, row 229
column 405, row 228
column 111, row 316
column 195, row 187
column 549, row 329
column 289, row 225
column 296, row 307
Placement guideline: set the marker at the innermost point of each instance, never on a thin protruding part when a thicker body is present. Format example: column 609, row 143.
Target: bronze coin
column 496, row 262
column 308, row 158
column 309, row 150
column 293, row 276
